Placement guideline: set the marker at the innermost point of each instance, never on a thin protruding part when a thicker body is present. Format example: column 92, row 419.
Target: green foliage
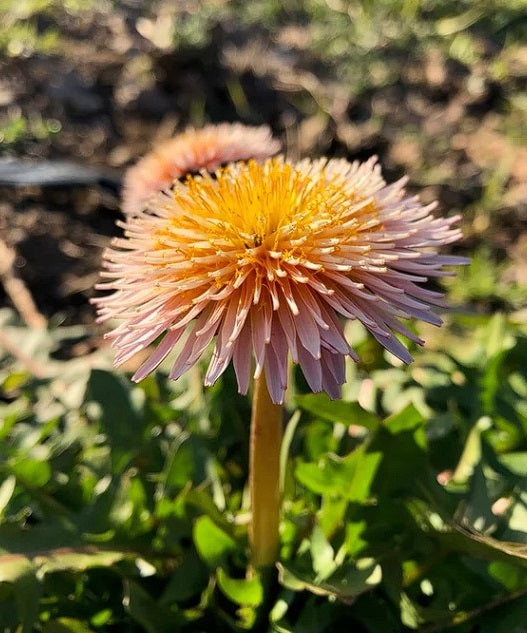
column 483, row 282
column 22, row 33
column 362, row 43
column 124, row 507
column 16, row 129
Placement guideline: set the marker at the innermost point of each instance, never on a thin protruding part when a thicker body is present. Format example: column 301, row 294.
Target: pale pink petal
column 241, row 359
column 311, row 368
column 276, row 364
column 333, row 373
column 161, row 352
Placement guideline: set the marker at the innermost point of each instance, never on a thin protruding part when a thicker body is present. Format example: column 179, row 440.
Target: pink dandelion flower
column 265, row 259
column 192, row 151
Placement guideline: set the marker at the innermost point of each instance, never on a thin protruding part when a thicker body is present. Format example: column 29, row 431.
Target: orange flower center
column 260, row 217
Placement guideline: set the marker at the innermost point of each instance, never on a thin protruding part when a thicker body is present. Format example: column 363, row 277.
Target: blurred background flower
column 190, row 152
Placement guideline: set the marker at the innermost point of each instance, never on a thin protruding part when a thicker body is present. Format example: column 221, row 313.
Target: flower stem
column 264, row 476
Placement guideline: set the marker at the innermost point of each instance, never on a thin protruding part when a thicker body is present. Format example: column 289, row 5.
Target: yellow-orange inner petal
column 259, row 217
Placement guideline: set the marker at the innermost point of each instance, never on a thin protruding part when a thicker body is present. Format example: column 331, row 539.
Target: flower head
column 265, row 258
column 190, row 152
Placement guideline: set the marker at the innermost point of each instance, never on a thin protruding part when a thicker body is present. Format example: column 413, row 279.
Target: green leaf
column 472, row 544
column 21, row 574
column 9, row 415
column 322, row 555
column 188, row 579
column 281, row 607
column 332, row 513
column 510, row 576
column 121, row 417
column 77, row 560
column 316, row 616
column 212, row 543
column 515, row 462
column 337, row 411
column 15, row 380
column 187, row 462
column 152, row 616
column 349, row 477
column 65, row 625
column 203, row 501
column 478, row 509
column 411, row 615
column 32, row 472
column 408, row 419
column 47, row 536
column 497, row 335
column 239, row 590
column 517, row 526
column 285, row 463
column 346, row 583
column 376, row 614
column 471, row 451
column 506, row 618
column 354, row 541
column 7, row 487
column 101, row 618
column 405, row 465
column 320, row 438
